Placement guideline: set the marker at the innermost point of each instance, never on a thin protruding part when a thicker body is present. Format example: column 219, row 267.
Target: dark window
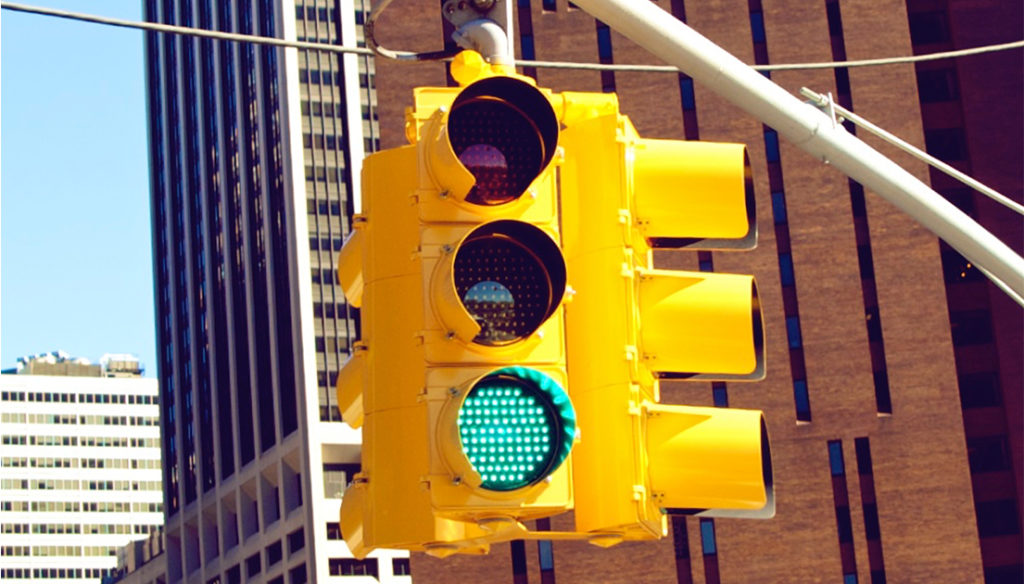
column 297, row 575
column 997, row 518
column 779, row 207
column 720, row 395
column 843, row 524
column 757, row 27
column 333, row 531
column 872, row 531
column 946, row 144
column 988, row 454
column 400, row 567
column 771, row 145
column 835, row 19
column 252, row 565
column 979, row 390
column 863, row 449
column 549, row 5
column 352, row 567
column 874, row 322
column 835, row 458
column 962, row 198
column 786, row 274
column 928, row 28
column 686, row 93
column 234, row 575
column 865, row 261
column 604, row 42
column 793, row 332
column 802, row 399
column 971, row 327
column 274, row 553
column 296, row 540
column 957, row 268
column 1012, row 574
column 937, row 85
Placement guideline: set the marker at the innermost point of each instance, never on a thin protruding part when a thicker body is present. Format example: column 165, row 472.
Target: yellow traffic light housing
column 486, row 399
column 631, row 325
column 460, row 385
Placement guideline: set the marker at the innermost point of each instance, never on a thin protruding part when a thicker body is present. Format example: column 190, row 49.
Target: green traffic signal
column 517, row 425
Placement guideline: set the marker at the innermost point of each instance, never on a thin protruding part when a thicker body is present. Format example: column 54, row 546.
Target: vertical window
column 771, row 145
column 707, row 537
column 793, row 332
column 928, row 27
column 835, row 458
column 802, row 399
column 938, row 85
column 720, row 395
column 400, row 567
column 757, row 32
column 686, row 93
column 786, row 274
column 779, row 207
column 604, row 41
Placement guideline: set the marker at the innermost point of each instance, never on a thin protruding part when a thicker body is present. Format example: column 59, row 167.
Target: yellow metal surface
column 350, row 385
column 705, row 458
column 350, row 266
column 416, row 491
column 700, row 324
column 605, row 195
column 629, row 324
column 697, row 191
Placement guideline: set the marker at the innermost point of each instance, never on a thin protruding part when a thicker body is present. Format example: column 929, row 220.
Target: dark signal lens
column 503, row 131
column 499, row 145
column 517, row 425
column 510, row 277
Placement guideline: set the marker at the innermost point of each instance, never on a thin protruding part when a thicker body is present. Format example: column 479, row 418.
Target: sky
column 75, row 248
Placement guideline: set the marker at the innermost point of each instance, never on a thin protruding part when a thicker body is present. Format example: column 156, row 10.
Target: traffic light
column 630, row 325
column 486, row 397
column 459, row 380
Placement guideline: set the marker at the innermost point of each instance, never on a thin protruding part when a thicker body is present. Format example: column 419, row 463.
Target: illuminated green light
column 517, row 426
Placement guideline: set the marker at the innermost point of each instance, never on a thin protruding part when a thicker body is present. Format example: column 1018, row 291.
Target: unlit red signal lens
column 503, row 131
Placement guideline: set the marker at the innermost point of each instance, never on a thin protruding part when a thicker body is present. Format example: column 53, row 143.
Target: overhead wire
column 826, row 103
column 408, row 56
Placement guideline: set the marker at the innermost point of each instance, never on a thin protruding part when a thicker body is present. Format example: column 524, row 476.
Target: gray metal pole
column 811, row 130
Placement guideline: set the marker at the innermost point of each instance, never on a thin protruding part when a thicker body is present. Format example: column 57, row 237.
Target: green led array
column 509, row 432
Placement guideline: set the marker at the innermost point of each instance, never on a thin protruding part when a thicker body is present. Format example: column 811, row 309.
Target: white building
column 79, row 467
column 254, row 165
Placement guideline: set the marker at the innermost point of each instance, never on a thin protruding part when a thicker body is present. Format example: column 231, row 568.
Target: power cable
column 826, row 103
column 406, row 56
column 184, row 30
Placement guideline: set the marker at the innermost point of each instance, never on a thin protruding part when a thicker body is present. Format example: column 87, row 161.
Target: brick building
column 893, row 394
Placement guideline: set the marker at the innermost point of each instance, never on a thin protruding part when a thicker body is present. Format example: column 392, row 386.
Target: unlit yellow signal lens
column 510, row 277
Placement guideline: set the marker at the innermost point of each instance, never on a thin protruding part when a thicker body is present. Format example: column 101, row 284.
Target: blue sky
column 75, row 250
